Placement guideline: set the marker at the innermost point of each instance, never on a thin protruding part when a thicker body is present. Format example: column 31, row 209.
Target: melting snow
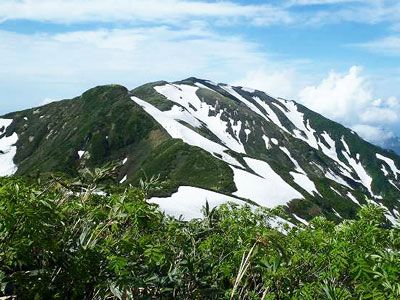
column 247, row 131
column 352, row 198
column 332, row 153
column 300, row 219
column 390, row 163
column 337, row 214
column 123, row 179
column 300, row 176
column 365, row 179
column 392, row 183
column 248, row 90
column 266, row 140
column 186, row 96
column 385, row 172
column 7, row 150
column 188, row 202
column 336, row 191
column 125, row 160
column 200, row 85
column 179, row 131
column 236, row 128
column 279, row 224
column 297, row 119
column 345, row 145
column 271, row 114
column 81, row 153
column 250, row 105
column 268, row 189
column 304, row 182
column 332, row 176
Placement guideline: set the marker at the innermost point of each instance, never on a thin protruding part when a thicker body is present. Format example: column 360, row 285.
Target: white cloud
column 362, row 11
column 339, row 96
column 382, row 111
column 164, row 11
column 181, row 11
column 278, row 82
column 34, row 67
column 323, row 2
column 349, row 99
column 372, row 133
column 389, row 45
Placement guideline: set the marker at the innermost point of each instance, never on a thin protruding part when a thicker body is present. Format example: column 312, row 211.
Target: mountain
column 206, row 141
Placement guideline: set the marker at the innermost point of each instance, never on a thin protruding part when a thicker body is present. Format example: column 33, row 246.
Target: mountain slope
column 234, row 141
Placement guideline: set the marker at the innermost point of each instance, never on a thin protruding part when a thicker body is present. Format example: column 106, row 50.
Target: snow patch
column 81, row 153
column 268, row 189
column 247, row 89
column 331, row 152
column 266, row 140
column 365, row 179
column 332, row 176
column 279, row 224
column 345, row 145
column 390, row 163
column 200, row 85
column 185, row 95
column 7, row 150
column 250, row 105
column 271, row 114
column 336, row 191
column 247, row 131
column 352, row 198
column 123, row 179
column 337, row 214
column 297, row 119
column 179, row 131
column 300, row 176
column 384, row 171
column 188, row 202
column 300, row 219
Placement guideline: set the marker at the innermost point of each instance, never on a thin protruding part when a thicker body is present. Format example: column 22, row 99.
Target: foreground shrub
column 58, row 244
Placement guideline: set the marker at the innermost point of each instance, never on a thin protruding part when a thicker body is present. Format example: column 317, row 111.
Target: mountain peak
column 213, row 140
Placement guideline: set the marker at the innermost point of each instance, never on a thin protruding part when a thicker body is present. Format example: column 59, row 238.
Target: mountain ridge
column 234, row 141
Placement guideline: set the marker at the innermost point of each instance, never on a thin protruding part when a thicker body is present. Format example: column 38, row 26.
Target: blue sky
column 339, row 57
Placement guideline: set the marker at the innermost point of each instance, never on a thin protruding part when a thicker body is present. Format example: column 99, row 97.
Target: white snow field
column 267, row 188
column 390, row 163
column 7, row 150
column 180, row 131
column 186, row 96
column 188, row 202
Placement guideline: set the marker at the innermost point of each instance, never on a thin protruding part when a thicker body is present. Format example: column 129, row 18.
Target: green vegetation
column 104, row 121
column 56, row 243
column 177, row 163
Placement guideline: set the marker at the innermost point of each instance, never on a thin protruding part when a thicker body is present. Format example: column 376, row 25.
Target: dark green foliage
column 56, row 245
column 104, row 121
column 148, row 93
column 178, row 163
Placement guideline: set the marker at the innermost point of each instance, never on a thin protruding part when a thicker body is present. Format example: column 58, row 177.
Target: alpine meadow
column 170, row 185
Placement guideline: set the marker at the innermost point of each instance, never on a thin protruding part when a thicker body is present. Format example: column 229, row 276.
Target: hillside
column 206, row 141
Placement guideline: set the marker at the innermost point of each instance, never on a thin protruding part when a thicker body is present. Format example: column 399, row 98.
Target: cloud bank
column 348, row 98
